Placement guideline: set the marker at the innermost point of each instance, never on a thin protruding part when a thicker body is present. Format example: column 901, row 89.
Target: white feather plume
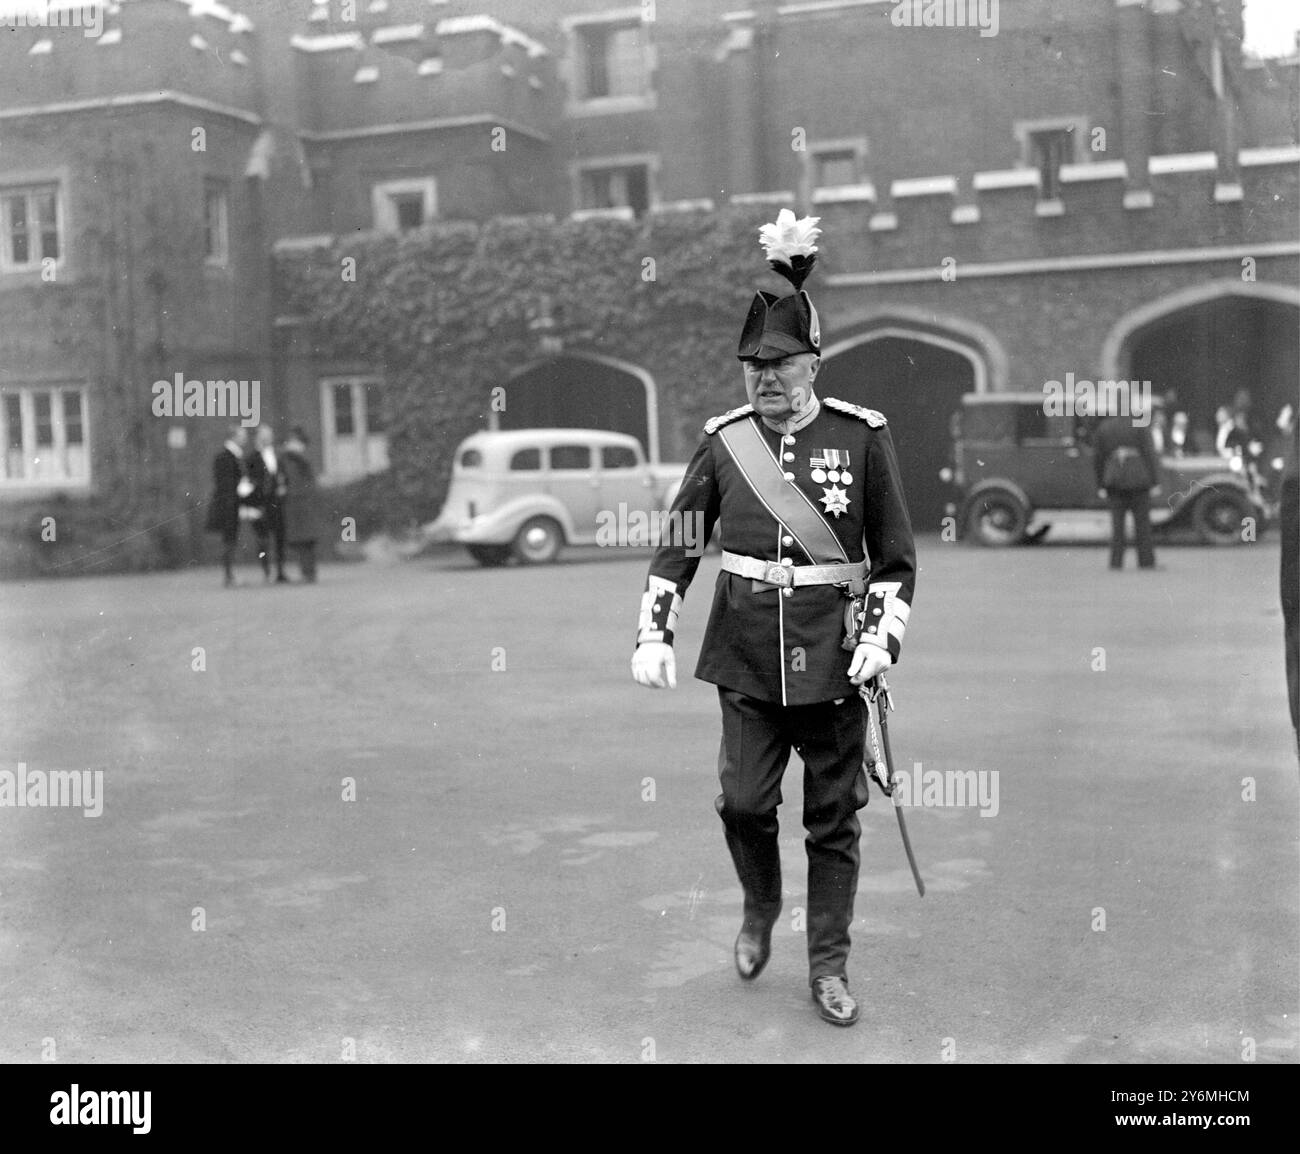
column 788, row 237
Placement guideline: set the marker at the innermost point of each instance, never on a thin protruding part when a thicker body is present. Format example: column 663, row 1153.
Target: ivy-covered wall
column 447, row 312
column 131, row 302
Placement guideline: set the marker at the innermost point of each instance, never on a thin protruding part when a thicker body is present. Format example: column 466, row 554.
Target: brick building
column 1105, row 187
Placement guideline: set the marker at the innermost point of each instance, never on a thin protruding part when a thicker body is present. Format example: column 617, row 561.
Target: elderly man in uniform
column 818, row 568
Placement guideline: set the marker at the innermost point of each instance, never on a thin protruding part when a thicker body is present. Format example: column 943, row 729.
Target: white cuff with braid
column 886, row 617
column 660, row 606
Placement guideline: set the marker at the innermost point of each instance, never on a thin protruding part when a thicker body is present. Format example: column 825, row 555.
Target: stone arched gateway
column 1210, row 341
column 915, row 369
column 583, row 390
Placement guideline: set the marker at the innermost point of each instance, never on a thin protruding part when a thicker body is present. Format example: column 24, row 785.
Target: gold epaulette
column 874, row 419
column 713, row 424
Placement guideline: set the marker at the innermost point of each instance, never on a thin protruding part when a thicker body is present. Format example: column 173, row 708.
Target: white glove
column 654, row 665
column 868, row 660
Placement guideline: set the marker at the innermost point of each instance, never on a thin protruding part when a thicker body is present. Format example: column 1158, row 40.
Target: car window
column 570, row 457
column 1031, row 423
column 617, row 457
column 526, row 459
column 989, row 422
column 471, row 459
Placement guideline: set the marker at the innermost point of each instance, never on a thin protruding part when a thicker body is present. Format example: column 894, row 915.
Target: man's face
column 240, row 436
column 780, row 389
column 265, row 438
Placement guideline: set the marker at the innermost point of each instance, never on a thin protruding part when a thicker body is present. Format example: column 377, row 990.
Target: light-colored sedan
column 528, row 492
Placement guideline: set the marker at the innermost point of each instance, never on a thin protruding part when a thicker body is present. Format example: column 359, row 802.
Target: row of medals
column 835, row 476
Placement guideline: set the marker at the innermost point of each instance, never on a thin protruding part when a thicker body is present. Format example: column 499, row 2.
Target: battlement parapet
column 134, row 48
column 1184, row 200
column 457, row 67
column 438, row 70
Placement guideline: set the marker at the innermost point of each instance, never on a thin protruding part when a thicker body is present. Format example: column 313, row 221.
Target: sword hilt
column 878, row 687
column 874, row 762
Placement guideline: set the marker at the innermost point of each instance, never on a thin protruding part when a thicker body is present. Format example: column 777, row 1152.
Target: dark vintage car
column 1012, row 461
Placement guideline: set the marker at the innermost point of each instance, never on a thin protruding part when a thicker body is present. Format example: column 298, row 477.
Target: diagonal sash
column 783, row 499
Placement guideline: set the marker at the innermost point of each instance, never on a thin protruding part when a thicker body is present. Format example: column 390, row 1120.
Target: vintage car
column 1012, row 461
column 525, row 493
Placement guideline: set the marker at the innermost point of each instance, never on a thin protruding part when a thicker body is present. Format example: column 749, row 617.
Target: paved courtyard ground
column 507, row 885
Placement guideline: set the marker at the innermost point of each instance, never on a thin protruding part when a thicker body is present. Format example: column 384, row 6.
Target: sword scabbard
column 884, row 703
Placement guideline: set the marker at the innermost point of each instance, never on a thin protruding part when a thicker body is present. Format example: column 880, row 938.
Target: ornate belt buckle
column 778, row 574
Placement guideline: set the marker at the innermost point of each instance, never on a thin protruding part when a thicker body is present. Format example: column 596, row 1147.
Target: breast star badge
column 836, row 500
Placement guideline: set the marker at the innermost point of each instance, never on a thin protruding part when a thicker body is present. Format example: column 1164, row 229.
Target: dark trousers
column 1289, row 526
column 270, row 531
column 229, row 543
column 1291, row 638
column 306, row 559
column 1137, row 502
column 757, row 737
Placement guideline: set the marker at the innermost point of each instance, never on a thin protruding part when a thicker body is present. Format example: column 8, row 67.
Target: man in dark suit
column 801, row 618
column 1127, row 470
column 269, row 488
column 223, row 507
column 1289, row 527
column 301, row 512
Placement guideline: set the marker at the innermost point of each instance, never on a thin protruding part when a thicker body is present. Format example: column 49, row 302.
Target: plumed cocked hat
column 778, row 326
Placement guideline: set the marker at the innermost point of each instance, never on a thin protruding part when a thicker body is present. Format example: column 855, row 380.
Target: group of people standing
column 1238, row 434
column 274, row 489
column 1128, row 468
column 1239, row 437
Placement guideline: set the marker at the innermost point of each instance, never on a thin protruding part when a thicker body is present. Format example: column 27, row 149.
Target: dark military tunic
column 785, row 646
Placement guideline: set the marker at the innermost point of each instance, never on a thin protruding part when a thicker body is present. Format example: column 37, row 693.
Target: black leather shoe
column 834, row 1002
column 753, row 948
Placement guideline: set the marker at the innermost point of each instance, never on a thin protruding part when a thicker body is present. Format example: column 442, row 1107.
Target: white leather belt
column 786, row 576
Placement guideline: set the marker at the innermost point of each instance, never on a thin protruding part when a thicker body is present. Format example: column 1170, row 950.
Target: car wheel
column 996, row 518
column 489, row 555
column 538, row 542
column 1218, row 516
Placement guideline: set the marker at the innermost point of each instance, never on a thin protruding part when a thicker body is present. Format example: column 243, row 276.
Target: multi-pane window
column 352, row 416
column 29, row 227
column 616, row 186
column 216, row 223
column 43, row 431
column 373, row 408
column 614, row 60
column 344, row 422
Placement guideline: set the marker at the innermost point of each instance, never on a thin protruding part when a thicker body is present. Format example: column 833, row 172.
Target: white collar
column 798, row 421
column 234, row 448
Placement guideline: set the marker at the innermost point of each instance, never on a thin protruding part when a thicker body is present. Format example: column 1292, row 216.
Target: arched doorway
column 584, row 391
column 917, row 379
column 1209, row 343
